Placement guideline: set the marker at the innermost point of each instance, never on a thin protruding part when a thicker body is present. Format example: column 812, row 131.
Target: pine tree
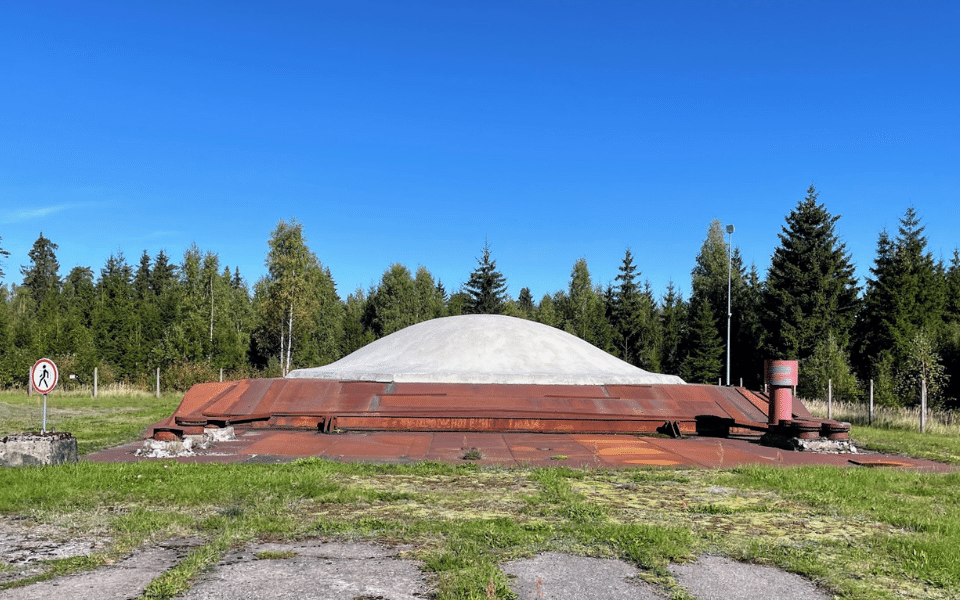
column 547, row 312
column 673, row 324
column 904, row 302
column 114, row 321
column 583, row 309
column 3, row 254
column 41, row 276
column 703, row 362
column 430, row 303
column 950, row 336
column 487, row 287
column 629, row 312
column 42, row 280
column 356, row 334
column 715, row 265
column 525, row 303
column 394, row 304
column 810, row 294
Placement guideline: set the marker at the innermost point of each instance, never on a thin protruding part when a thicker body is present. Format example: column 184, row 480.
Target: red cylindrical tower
column 781, row 376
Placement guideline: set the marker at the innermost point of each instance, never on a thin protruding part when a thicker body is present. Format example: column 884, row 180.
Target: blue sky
column 412, row 132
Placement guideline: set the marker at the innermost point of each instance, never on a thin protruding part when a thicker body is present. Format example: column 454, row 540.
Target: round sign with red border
column 44, row 376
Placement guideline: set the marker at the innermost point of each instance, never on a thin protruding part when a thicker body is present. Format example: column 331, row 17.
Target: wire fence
column 908, row 419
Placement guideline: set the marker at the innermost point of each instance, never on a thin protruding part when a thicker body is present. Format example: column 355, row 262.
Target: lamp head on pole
column 730, row 228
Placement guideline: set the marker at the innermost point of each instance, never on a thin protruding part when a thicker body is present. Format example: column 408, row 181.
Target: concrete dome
column 484, row 349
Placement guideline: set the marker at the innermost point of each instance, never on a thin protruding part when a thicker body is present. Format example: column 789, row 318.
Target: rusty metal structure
column 326, row 406
column 489, row 374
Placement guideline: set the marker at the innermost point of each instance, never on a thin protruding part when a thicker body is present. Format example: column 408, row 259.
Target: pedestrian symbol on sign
column 43, row 378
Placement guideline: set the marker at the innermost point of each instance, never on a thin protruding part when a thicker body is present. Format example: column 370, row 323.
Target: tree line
column 195, row 317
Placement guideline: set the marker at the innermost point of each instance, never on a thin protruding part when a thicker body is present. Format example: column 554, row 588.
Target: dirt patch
column 26, row 545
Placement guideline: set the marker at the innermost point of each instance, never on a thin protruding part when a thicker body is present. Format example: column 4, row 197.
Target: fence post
column 95, row 374
column 923, row 406
column 829, row 398
column 221, row 374
column 29, row 382
column 158, row 382
column 870, row 414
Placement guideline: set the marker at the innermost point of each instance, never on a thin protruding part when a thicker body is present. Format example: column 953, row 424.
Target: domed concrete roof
column 484, row 349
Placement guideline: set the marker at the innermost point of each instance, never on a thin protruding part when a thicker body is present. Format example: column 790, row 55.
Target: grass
column 860, row 533
column 897, row 430
column 945, row 422
column 110, row 419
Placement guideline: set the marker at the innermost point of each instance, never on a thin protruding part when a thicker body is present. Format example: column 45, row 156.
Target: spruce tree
column 629, row 312
column 904, row 308
column 525, row 303
column 704, row 359
column 394, row 304
column 42, row 280
column 3, row 254
column 811, row 292
column 715, row 263
column 487, row 287
column 673, row 324
column 41, row 276
column 114, row 321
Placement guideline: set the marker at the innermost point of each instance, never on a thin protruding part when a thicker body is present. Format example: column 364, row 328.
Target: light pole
column 729, row 278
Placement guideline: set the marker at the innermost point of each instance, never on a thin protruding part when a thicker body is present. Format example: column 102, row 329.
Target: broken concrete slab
column 120, row 581
column 718, row 578
column 556, row 576
column 313, row 570
column 38, row 449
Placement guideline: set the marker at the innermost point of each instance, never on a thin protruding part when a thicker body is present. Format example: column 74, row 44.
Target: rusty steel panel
column 479, row 407
column 499, row 390
column 247, row 399
column 203, row 394
column 325, row 405
column 494, row 424
column 280, row 421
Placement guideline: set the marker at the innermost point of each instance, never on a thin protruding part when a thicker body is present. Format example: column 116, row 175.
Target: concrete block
column 37, row 449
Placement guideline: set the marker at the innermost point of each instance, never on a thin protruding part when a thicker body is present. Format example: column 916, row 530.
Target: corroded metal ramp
column 331, row 405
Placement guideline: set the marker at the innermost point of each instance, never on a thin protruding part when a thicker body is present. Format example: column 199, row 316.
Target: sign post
column 43, row 377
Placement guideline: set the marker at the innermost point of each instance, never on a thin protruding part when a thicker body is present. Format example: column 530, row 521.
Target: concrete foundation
column 37, row 449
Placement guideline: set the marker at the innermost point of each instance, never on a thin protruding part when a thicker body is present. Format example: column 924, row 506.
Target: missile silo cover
column 484, row 349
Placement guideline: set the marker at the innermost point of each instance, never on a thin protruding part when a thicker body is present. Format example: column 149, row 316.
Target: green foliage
column 718, row 275
column 673, row 327
column 703, row 362
column 582, row 310
column 828, row 366
column 356, row 334
column 299, row 315
column 922, row 365
column 486, row 288
column 904, row 312
column 810, row 293
column 525, row 304
column 633, row 318
column 3, row 254
column 394, row 304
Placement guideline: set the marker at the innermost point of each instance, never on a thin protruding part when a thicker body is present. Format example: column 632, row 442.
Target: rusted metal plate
column 517, row 449
column 331, row 405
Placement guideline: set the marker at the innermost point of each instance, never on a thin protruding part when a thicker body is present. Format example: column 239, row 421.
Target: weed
column 472, row 454
column 277, row 555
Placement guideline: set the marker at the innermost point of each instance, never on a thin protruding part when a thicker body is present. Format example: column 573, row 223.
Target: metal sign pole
column 43, row 429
